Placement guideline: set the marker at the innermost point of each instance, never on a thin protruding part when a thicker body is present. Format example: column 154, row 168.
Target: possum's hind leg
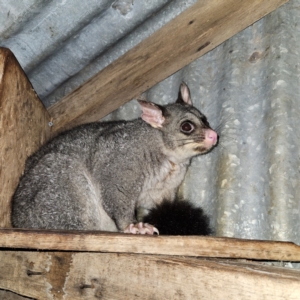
column 59, row 194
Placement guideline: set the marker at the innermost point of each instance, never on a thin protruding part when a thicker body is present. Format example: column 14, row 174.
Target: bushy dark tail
column 179, row 218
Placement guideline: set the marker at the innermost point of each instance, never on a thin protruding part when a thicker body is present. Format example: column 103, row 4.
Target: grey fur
column 95, row 176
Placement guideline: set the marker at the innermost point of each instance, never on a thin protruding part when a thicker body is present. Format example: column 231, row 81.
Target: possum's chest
column 162, row 184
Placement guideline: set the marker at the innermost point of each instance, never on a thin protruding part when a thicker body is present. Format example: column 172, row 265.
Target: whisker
column 222, row 147
column 229, row 116
column 192, row 141
column 184, row 143
column 198, row 138
column 223, row 123
column 222, row 138
column 187, row 141
column 228, row 134
column 221, row 126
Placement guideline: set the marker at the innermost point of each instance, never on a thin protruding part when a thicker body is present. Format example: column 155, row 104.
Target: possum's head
column 185, row 130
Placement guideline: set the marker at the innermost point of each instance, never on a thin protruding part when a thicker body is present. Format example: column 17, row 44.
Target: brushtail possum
column 95, row 176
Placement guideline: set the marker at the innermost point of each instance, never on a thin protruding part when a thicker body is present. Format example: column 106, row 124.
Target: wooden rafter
column 161, row 245
column 23, row 127
column 199, row 29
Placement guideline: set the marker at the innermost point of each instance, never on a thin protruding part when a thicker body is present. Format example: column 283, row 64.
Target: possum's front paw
column 141, row 228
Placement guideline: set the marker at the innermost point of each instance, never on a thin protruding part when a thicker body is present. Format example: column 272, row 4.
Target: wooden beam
column 169, row 245
column 196, row 31
column 65, row 275
column 23, row 127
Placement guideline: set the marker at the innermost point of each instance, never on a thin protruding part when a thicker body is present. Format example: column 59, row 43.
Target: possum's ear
column 152, row 113
column 184, row 95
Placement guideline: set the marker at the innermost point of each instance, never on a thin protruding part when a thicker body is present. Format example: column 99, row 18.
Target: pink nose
column 211, row 136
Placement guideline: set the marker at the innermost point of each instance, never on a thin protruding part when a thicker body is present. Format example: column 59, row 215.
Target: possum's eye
column 187, row 127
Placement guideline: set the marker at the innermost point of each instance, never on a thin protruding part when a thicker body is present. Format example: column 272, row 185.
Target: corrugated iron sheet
column 248, row 87
column 61, row 44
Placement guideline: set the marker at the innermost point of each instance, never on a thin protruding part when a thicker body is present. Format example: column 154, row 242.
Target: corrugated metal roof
column 61, row 44
column 249, row 86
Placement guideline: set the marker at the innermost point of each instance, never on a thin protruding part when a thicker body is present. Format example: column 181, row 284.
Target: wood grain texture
column 168, row 245
column 7, row 295
column 23, row 127
column 196, row 31
column 127, row 276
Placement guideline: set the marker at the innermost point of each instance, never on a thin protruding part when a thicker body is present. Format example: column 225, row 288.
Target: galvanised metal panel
column 62, row 44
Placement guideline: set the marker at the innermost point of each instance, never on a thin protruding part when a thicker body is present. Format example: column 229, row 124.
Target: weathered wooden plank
column 169, row 245
column 7, row 295
column 23, row 127
column 33, row 274
column 125, row 276
column 199, row 29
